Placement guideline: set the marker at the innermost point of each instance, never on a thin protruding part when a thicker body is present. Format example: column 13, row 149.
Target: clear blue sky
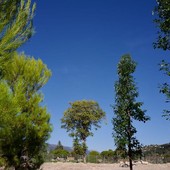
column 82, row 41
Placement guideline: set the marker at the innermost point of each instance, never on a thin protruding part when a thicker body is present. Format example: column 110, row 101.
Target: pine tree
column 26, row 127
column 127, row 109
column 59, row 146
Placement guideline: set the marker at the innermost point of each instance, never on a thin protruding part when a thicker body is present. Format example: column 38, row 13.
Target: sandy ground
column 90, row 166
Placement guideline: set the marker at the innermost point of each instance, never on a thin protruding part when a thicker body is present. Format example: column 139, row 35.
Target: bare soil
column 90, row 166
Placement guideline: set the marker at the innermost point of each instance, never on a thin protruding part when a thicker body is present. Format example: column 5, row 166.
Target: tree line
column 149, row 153
column 64, row 154
column 25, row 122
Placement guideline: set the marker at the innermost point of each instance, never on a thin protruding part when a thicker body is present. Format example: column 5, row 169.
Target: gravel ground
column 90, row 166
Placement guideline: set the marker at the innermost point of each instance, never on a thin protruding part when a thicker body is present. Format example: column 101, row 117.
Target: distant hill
column 157, row 153
column 53, row 146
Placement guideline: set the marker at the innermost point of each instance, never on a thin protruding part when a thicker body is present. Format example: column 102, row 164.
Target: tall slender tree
column 79, row 120
column 126, row 108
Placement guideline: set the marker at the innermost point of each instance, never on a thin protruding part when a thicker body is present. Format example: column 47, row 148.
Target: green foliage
column 2, row 162
column 59, row 146
column 162, row 12
column 78, row 148
column 108, row 154
column 15, row 25
column 93, row 157
column 121, row 152
column 126, row 108
column 94, row 153
column 61, row 153
column 25, row 126
column 165, row 88
column 79, row 119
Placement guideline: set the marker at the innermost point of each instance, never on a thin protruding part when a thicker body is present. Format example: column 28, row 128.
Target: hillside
column 157, row 153
column 53, row 146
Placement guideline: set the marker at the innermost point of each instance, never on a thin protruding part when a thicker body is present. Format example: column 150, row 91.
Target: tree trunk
column 84, row 158
column 85, row 149
column 130, row 157
column 129, row 142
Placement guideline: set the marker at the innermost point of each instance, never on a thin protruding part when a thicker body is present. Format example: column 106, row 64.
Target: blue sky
column 82, row 41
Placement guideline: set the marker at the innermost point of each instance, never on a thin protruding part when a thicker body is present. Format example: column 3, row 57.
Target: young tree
column 16, row 17
column 162, row 12
column 60, row 152
column 126, row 108
column 59, row 146
column 79, row 119
column 78, row 149
column 26, row 127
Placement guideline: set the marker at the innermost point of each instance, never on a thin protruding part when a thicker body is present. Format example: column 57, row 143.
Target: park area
column 92, row 166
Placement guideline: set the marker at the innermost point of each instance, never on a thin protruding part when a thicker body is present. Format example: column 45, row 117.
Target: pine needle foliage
column 16, row 25
column 26, row 122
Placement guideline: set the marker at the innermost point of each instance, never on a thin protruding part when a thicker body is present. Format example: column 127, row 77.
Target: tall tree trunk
column 85, row 149
column 84, row 159
column 129, row 142
column 130, row 157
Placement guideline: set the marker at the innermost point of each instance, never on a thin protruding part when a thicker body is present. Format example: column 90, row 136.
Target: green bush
column 2, row 162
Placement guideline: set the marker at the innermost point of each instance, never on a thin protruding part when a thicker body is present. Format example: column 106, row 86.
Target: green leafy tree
column 162, row 13
column 61, row 153
column 109, row 155
column 94, row 153
column 79, row 119
column 26, row 122
column 126, row 108
column 16, row 17
column 93, row 156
